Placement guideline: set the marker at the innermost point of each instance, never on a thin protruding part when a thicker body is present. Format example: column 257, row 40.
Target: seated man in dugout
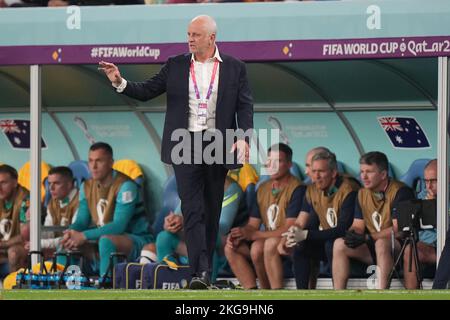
column 279, row 199
column 426, row 246
column 330, row 200
column 111, row 216
column 373, row 211
column 14, row 215
column 62, row 208
column 308, row 160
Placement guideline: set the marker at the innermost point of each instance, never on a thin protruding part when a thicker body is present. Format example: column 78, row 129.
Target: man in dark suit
column 206, row 92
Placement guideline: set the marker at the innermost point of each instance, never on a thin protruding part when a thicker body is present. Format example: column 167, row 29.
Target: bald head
column 430, row 177
column 202, row 37
column 205, row 22
column 431, row 165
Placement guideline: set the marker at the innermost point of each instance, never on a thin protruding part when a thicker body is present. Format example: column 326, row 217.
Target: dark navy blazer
column 234, row 107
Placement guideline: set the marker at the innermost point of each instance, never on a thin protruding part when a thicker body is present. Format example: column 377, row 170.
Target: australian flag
column 404, row 132
column 18, row 133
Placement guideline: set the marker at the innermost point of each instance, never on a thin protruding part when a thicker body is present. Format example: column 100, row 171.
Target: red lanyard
column 211, row 84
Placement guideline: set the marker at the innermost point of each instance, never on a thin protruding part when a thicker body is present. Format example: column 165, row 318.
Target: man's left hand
column 353, row 239
column 76, row 239
column 430, row 195
column 243, row 151
column 242, row 233
column 294, row 236
column 176, row 224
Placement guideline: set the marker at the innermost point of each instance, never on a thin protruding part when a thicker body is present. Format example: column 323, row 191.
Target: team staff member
column 372, row 212
column 207, row 91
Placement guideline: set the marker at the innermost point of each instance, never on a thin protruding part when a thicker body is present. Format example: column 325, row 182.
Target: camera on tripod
column 414, row 215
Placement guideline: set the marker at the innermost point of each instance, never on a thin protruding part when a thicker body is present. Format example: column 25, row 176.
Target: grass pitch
column 224, row 295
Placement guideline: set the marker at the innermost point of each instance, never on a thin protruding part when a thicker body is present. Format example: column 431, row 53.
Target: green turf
column 225, row 295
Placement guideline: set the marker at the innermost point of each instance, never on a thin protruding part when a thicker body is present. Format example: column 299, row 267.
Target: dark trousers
column 201, row 189
column 304, row 254
column 443, row 271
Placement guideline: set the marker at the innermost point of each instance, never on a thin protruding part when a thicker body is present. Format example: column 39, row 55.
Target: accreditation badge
column 202, row 112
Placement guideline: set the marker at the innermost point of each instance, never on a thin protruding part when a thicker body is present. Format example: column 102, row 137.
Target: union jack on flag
column 9, row 126
column 18, row 133
column 390, row 123
column 404, row 132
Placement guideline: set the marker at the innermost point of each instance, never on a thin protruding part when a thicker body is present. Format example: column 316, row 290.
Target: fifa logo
column 170, row 285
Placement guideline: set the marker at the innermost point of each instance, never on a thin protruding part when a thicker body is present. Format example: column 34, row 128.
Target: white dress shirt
column 203, row 73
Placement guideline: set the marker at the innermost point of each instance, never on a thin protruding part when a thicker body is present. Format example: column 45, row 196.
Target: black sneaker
column 200, row 283
column 224, row 284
